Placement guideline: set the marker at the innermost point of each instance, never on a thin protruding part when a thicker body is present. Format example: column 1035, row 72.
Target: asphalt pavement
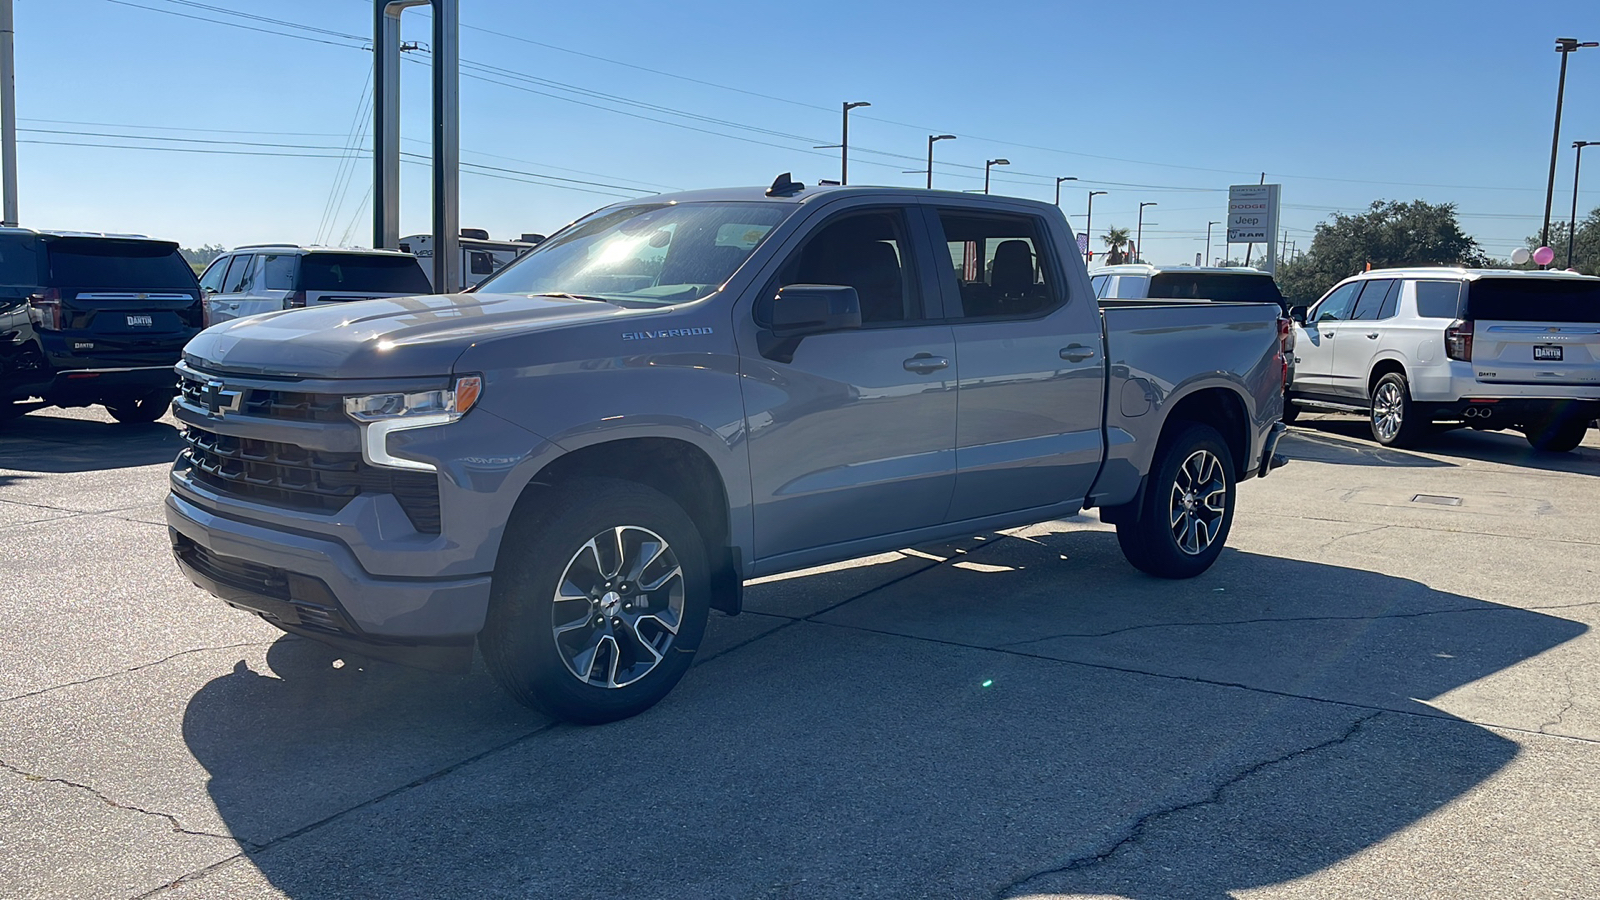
column 1384, row 688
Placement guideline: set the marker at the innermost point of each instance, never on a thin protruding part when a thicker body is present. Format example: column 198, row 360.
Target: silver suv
column 261, row 278
column 1484, row 348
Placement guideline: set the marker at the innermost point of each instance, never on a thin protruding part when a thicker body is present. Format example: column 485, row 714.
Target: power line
column 298, row 37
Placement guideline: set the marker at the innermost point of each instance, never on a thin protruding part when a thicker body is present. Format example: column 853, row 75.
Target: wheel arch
column 1383, row 367
column 1221, row 408
column 678, row 469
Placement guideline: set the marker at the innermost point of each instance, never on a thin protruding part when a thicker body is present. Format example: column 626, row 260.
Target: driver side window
column 1336, row 306
column 867, row 251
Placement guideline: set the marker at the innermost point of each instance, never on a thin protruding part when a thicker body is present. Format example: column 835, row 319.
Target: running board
column 1327, row 405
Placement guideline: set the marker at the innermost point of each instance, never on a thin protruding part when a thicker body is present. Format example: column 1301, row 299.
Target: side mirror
column 805, row 309
column 1298, row 313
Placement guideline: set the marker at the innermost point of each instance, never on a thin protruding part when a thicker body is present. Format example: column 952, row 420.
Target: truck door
column 855, row 436
column 1032, row 381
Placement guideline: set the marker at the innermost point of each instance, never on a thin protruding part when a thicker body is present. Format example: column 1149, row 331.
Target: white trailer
column 480, row 257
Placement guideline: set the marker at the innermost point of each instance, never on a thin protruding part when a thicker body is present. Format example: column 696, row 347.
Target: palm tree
column 1116, row 239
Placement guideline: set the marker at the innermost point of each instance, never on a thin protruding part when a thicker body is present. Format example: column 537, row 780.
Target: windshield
column 656, row 254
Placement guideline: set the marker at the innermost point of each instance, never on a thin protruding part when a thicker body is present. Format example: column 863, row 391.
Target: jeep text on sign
column 1252, row 213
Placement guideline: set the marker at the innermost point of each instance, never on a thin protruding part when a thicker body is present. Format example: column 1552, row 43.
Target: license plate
column 1547, row 352
column 146, row 321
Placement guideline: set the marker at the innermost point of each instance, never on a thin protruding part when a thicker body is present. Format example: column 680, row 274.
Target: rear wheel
column 1394, row 418
column 1557, row 436
column 139, row 408
column 1187, row 510
column 599, row 601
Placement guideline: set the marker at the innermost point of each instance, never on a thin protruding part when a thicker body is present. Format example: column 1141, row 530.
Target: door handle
column 1076, row 352
column 1328, row 335
column 1373, row 335
column 923, row 363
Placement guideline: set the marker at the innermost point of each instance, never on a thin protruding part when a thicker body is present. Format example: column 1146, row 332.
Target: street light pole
column 1088, row 220
column 1563, row 47
column 987, row 165
column 1208, row 241
column 931, row 139
column 1058, row 186
column 844, row 142
column 1138, row 242
column 1577, row 165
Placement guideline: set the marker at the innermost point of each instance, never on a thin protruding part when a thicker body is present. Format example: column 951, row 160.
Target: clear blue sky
column 1153, row 101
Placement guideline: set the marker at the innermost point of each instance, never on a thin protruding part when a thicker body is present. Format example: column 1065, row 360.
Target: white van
column 480, row 257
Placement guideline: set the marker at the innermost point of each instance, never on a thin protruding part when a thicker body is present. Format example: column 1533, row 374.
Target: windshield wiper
column 565, row 296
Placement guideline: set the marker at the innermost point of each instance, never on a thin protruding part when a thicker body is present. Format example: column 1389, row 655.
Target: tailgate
column 1533, row 330
column 123, row 315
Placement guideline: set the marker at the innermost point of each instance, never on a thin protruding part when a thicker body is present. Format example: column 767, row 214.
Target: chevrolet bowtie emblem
column 219, row 402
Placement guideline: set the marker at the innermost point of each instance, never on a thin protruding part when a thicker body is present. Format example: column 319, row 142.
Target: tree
column 1585, row 248
column 1389, row 234
column 1116, row 239
column 200, row 257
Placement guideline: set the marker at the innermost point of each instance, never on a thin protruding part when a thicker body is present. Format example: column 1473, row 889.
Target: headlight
column 383, row 414
column 451, row 404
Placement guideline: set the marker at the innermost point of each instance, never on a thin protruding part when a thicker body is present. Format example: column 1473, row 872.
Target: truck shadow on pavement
column 1028, row 717
column 62, row 444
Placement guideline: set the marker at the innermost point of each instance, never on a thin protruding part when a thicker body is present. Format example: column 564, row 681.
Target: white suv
column 1485, row 348
column 1141, row 281
column 260, row 278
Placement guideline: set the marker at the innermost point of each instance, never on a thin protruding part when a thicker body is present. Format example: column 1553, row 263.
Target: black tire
column 139, row 409
column 1291, row 411
column 1394, row 419
column 547, row 550
column 1558, row 436
column 1178, row 488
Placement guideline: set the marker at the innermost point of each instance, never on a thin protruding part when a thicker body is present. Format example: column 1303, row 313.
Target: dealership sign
column 1252, row 213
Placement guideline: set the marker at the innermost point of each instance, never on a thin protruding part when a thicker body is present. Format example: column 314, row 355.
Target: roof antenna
column 784, row 186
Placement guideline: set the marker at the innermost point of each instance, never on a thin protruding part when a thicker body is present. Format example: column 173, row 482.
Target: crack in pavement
column 1572, row 699
column 252, row 849
column 1142, row 826
column 1290, row 619
column 1519, row 537
column 164, row 659
column 170, row 819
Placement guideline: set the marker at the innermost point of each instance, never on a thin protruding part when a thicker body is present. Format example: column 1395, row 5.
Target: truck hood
column 392, row 337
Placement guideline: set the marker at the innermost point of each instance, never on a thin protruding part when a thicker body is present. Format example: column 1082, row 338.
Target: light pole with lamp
column 989, row 164
column 844, row 141
column 1577, row 164
column 1138, row 242
column 1208, row 241
column 1088, row 220
column 1564, row 46
column 1058, row 186
column 931, row 139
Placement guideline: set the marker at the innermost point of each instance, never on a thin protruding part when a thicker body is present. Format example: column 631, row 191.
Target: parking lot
column 1383, row 688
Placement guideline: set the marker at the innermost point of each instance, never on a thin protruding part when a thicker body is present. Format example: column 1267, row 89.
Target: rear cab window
column 367, row 273
column 1000, row 264
column 119, row 265
column 1534, row 300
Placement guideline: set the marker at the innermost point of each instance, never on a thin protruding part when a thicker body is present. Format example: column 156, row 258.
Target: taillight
column 1285, row 345
column 296, row 300
column 205, row 312
column 44, row 308
column 1458, row 340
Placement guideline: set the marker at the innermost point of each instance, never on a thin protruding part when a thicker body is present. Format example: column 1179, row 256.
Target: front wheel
column 599, row 601
column 1187, row 510
column 1395, row 420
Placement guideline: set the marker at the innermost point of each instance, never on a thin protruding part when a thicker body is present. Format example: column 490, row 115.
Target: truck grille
column 295, row 477
column 271, row 404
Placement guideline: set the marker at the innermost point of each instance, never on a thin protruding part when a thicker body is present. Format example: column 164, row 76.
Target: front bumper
column 315, row 587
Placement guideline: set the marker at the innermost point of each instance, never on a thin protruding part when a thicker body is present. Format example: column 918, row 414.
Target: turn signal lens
column 468, row 387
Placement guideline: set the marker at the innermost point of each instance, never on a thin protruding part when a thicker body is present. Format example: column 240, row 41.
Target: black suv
column 92, row 318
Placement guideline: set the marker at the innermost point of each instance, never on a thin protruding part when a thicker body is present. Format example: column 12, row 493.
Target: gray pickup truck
column 571, row 466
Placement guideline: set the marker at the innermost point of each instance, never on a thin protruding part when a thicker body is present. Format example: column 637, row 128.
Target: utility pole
column 8, row 115
column 1564, row 46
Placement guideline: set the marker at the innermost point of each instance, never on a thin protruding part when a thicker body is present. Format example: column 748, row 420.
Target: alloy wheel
column 1199, row 502
column 1387, row 411
column 618, row 607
